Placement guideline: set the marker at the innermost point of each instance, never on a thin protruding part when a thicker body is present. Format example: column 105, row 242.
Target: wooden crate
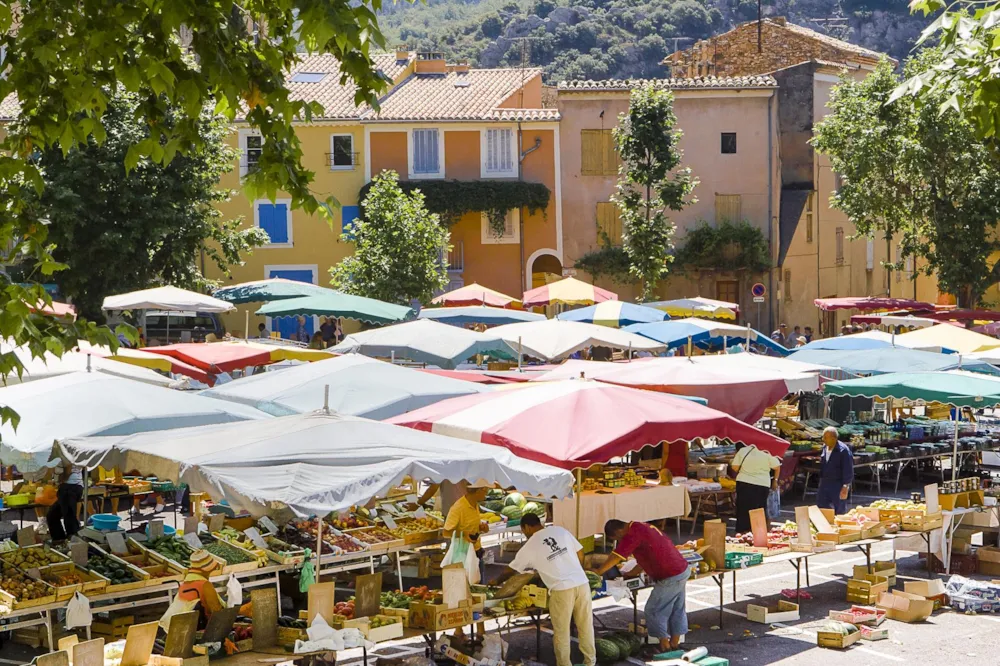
column 384, row 633
column 244, row 545
column 402, row 613
column 136, row 548
column 918, row 521
column 10, row 601
column 140, row 575
column 284, row 553
column 829, row 639
column 90, row 582
column 865, row 590
column 11, row 555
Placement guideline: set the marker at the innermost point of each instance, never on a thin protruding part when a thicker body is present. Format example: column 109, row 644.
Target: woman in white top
column 754, row 481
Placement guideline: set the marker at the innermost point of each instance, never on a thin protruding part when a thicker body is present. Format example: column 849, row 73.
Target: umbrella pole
column 86, row 480
column 319, row 544
column 246, row 326
column 630, row 351
column 689, row 347
column 519, row 353
column 725, row 343
column 326, row 399
column 954, row 447
column 577, row 491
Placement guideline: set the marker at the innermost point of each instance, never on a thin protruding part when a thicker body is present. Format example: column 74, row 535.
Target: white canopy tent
column 173, row 299
column 49, row 365
column 312, row 463
column 91, row 403
column 555, row 339
column 358, row 385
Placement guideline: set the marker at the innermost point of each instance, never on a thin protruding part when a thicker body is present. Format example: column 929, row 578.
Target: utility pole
column 760, row 20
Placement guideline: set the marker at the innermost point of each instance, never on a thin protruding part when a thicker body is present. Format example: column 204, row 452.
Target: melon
column 530, row 507
column 624, row 645
column 511, row 512
column 493, row 505
column 594, row 580
column 607, row 651
column 515, row 499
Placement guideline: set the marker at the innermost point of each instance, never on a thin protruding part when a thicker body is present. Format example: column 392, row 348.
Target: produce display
column 21, row 587
column 520, row 602
column 230, row 553
column 114, row 571
column 898, row 505
column 382, row 621
column 172, row 548
column 401, row 599
column 62, row 579
column 374, row 535
column 32, row 558
column 298, row 533
column 345, row 608
column 617, row 647
column 408, row 526
column 348, row 522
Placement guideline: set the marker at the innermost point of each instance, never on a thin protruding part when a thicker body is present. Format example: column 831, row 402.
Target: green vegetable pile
column 837, row 627
column 114, row 571
column 231, row 554
column 594, row 580
column 394, row 600
column 172, row 548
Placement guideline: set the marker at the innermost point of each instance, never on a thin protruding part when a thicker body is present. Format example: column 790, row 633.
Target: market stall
column 426, row 341
column 615, row 314
column 947, row 338
column 49, row 365
column 333, row 303
column 555, row 339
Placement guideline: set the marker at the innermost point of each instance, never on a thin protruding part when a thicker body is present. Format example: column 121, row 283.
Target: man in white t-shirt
column 557, row 557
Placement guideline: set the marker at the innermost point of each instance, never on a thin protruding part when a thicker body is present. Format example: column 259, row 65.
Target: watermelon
column 594, row 580
column 531, row 507
column 624, row 645
column 493, row 505
column 515, row 499
column 607, row 651
column 636, row 643
column 494, row 494
column 511, row 512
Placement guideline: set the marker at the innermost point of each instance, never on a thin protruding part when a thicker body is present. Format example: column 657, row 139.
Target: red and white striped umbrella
column 579, row 423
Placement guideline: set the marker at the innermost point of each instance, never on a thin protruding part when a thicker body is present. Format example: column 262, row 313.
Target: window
column 342, row 151
column 498, row 153
column 840, row 246
column 729, row 143
column 809, row 218
column 348, row 216
column 308, row 77
column 456, row 257
column 728, row 208
column 426, row 157
column 609, row 222
column 838, row 182
column 511, row 230
column 598, row 156
column 788, row 286
column 251, row 145
column 727, row 290
column 276, row 219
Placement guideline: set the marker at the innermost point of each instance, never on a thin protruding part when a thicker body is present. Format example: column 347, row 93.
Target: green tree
column 144, row 227
column 62, row 60
column 923, row 180
column 399, row 247
column 650, row 183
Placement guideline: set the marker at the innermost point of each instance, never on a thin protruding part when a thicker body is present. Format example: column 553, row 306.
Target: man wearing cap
column 781, row 335
column 196, row 586
column 836, row 473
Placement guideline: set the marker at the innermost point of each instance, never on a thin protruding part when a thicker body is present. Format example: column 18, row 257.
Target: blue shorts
column 666, row 611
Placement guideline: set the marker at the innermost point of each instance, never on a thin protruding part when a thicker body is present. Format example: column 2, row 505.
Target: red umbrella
column 214, row 358
column 870, row 303
column 56, row 309
column 466, row 375
column 579, row 423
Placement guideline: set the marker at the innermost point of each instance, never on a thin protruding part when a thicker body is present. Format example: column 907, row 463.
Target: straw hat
column 202, row 562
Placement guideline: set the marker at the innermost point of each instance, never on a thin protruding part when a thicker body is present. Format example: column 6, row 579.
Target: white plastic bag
column 472, row 566
column 234, row 592
column 456, row 552
column 78, row 612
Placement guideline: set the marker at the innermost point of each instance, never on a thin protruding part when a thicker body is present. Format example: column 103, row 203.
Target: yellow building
column 436, row 122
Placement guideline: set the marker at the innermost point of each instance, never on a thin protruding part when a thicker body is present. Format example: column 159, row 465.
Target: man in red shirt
column 666, row 613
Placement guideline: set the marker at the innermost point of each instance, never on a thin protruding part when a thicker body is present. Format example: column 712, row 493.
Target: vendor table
column 717, row 498
column 643, row 504
column 952, row 520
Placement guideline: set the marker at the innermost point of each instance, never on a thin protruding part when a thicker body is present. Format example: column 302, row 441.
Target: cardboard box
column 887, row 569
column 988, row 561
column 437, row 617
column 906, row 607
column 866, row 590
column 874, row 634
column 402, row 613
column 932, row 590
column 837, row 641
column 785, row 612
column 538, row 595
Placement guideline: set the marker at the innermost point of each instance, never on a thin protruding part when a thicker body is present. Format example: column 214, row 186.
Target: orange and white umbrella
column 568, row 291
column 476, row 294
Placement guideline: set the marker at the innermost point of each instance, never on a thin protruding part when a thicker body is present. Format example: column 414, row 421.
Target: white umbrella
column 50, row 365
column 91, row 403
column 425, row 341
column 359, row 386
column 173, row 299
column 290, row 462
column 555, row 339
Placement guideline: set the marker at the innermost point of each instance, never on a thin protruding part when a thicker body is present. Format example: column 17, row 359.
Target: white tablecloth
column 642, row 504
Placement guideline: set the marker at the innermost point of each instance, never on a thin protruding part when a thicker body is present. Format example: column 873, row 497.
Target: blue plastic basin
column 105, row 521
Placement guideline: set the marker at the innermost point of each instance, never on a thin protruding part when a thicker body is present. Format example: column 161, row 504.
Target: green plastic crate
column 743, row 560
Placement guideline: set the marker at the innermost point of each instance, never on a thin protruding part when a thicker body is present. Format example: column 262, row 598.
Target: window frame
column 722, row 146
column 333, row 153
column 244, row 161
column 486, row 234
column 411, row 153
column 485, row 171
column 288, row 221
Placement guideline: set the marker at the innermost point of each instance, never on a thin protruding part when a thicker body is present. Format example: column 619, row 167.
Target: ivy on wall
column 609, row 261
column 451, row 199
column 729, row 246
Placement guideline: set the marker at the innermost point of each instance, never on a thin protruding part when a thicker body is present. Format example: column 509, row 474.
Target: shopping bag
column 472, row 566
column 234, row 592
column 176, row 607
column 457, row 550
column 78, row 612
column 774, row 505
column 308, row 573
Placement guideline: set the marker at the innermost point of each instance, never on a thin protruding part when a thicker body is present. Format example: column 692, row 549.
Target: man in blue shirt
column 836, row 473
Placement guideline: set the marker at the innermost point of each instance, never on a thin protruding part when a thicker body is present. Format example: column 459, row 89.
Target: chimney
column 779, row 20
column 460, row 68
column 402, row 53
column 430, row 62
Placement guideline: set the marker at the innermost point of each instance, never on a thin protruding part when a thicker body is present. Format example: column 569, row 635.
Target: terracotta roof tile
column 472, row 95
column 525, row 115
column 831, row 41
column 336, row 98
column 702, row 82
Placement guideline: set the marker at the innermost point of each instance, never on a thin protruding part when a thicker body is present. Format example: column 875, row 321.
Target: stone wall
column 735, row 53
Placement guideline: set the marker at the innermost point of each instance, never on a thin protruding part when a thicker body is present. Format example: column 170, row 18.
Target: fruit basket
column 417, row 530
column 233, row 558
column 33, row 557
column 67, row 579
column 284, row 553
column 158, row 568
column 377, row 538
column 18, row 591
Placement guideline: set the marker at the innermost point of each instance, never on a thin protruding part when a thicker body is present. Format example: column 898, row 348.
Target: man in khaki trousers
column 557, row 557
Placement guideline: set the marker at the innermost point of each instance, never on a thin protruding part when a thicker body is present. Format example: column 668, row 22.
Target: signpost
column 759, row 291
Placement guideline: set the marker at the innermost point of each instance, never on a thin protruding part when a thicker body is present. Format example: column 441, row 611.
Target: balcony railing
column 456, row 257
column 339, row 160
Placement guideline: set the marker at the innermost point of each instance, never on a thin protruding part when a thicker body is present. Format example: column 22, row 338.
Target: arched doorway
column 545, row 268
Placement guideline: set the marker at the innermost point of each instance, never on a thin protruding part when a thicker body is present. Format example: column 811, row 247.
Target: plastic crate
column 743, row 560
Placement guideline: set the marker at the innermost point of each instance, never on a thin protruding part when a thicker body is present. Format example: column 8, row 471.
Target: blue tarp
column 704, row 334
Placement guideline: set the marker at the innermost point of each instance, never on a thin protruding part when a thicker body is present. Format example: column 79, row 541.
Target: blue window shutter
column 273, row 219
column 348, row 214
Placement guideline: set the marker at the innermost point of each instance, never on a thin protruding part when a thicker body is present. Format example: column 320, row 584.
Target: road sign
column 758, row 299
column 758, row 290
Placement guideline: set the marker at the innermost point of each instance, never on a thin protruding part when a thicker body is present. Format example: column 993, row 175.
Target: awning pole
column 578, row 491
column 326, row 399
column 954, row 447
column 86, row 479
column 689, row 347
column 725, row 343
column 520, row 353
column 319, row 544
column 246, row 326
column 629, row 351
column 88, row 363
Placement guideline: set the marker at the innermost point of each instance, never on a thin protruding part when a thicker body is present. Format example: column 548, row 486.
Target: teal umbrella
column 339, row 304
column 263, row 291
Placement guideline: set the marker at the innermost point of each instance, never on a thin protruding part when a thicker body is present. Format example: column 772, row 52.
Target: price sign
column 255, row 536
column 411, row 498
column 155, row 529
column 191, row 539
column 420, row 513
column 268, row 525
column 116, row 541
column 389, row 522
